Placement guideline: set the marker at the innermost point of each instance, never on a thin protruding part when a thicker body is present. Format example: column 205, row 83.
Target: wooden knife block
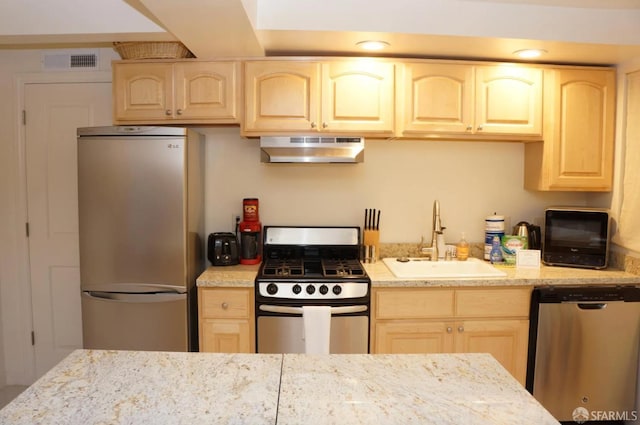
column 371, row 246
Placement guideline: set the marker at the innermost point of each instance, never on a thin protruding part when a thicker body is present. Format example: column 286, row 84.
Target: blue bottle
column 495, row 256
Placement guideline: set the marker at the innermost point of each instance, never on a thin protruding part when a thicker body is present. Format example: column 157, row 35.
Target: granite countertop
column 134, row 387
column 238, row 276
column 127, row 387
column 381, row 276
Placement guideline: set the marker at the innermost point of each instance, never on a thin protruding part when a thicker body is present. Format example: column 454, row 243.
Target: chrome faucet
column 436, row 230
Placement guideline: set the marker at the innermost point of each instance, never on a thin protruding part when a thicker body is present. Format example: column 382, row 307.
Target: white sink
column 423, row 268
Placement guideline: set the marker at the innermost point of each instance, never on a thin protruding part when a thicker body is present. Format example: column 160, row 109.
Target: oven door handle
column 298, row 310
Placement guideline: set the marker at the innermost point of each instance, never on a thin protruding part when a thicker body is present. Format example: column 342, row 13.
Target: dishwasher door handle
column 592, row 306
column 298, row 310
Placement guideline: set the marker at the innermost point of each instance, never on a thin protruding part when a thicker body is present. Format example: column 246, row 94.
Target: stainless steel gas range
column 311, row 266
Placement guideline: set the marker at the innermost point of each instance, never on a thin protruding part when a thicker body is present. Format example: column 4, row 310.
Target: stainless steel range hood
column 312, row 149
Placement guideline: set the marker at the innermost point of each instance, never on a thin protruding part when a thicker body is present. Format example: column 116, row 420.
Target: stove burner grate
column 286, row 267
column 339, row 268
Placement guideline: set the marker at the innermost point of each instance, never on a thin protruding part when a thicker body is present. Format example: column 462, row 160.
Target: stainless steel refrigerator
column 141, row 215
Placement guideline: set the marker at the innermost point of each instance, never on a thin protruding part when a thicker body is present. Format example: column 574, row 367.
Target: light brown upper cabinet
column 577, row 152
column 186, row 92
column 448, row 100
column 351, row 96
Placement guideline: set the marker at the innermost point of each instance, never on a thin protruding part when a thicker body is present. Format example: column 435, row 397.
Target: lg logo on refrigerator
column 173, row 146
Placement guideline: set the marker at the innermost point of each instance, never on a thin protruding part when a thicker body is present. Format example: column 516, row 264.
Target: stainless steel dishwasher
column 583, row 351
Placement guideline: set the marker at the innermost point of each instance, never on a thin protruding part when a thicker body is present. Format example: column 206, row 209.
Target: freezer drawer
column 148, row 322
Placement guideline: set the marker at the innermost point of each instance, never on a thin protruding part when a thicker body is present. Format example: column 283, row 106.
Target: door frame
column 18, row 321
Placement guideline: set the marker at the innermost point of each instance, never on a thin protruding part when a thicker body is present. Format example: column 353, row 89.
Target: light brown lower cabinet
column 226, row 320
column 469, row 320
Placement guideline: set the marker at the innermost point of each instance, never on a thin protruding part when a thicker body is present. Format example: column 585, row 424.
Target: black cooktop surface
column 312, row 268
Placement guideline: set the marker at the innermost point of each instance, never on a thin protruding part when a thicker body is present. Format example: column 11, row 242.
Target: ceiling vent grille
column 65, row 61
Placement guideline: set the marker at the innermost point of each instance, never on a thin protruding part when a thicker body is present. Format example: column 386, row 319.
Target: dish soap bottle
column 495, row 256
column 462, row 249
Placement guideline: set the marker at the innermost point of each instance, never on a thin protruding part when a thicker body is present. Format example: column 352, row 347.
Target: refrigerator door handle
column 135, row 298
column 134, row 288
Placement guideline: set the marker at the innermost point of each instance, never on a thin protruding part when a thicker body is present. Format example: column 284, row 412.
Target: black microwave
column 576, row 237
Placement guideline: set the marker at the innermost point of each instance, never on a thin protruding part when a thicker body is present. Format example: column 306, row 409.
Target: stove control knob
column 337, row 289
column 296, row 289
column 311, row 289
column 324, row 289
column 272, row 289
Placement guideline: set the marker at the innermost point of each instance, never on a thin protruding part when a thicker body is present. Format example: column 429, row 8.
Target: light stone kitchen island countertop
column 401, row 389
column 126, row 387
column 137, row 387
column 381, row 276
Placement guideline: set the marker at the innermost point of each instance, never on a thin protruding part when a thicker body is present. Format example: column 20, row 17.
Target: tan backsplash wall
column 401, row 178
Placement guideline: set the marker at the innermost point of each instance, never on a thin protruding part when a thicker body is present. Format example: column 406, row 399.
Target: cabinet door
column 506, row 340
column 508, row 100
column 281, row 96
column 206, row 91
column 358, row 96
column 578, row 149
column 413, row 337
column 142, row 92
column 225, row 336
column 436, row 98
column 226, row 323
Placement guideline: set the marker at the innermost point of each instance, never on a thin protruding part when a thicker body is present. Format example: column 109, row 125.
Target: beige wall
column 402, row 178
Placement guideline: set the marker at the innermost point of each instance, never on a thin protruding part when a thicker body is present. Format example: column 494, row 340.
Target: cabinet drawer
column 225, row 303
column 503, row 302
column 413, row 304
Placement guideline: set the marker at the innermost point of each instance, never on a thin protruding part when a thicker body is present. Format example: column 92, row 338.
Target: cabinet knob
column 225, row 306
column 460, row 328
column 179, row 111
column 449, row 329
column 479, row 128
column 469, row 128
column 168, row 112
column 313, row 125
column 325, row 125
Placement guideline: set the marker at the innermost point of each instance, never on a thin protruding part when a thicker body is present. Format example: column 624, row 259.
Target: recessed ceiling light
column 529, row 53
column 372, row 44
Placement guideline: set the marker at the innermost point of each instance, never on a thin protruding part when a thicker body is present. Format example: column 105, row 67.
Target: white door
column 53, row 113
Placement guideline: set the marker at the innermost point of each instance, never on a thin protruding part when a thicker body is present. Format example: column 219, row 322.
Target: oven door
column 280, row 329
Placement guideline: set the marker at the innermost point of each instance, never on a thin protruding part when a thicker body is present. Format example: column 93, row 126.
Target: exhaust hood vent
column 312, row 149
